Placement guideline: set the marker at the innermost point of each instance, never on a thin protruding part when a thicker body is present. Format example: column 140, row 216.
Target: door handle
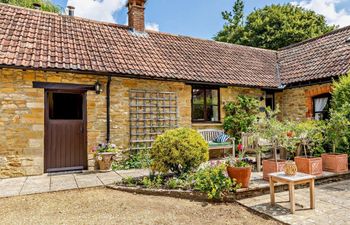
column 81, row 129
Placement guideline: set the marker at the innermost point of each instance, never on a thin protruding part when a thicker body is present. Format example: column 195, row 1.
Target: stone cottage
column 68, row 83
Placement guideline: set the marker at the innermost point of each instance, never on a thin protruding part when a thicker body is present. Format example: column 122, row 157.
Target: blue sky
column 196, row 18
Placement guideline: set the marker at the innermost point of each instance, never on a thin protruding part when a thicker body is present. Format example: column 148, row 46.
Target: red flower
column 240, row 147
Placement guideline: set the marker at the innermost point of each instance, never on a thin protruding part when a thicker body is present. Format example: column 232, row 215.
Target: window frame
column 273, row 99
column 206, row 120
column 314, row 106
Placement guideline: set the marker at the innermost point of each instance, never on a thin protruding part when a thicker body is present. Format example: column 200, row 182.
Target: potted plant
column 105, row 154
column 337, row 132
column 240, row 169
column 311, row 141
column 272, row 130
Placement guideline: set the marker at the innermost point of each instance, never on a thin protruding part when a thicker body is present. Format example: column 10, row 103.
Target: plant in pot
column 311, row 140
column 337, row 130
column 105, row 155
column 240, row 169
column 272, row 130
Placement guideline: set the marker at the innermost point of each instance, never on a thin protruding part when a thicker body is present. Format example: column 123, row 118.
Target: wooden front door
column 65, row 131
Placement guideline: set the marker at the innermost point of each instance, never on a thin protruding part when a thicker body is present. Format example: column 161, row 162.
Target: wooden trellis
column 151, row 113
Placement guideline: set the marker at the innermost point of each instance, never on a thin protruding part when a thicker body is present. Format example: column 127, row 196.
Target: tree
column 272, row 27
column 234, row 28
column 46, row 5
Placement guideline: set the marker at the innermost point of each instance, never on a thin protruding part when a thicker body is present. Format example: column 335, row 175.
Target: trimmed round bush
column 180, row 151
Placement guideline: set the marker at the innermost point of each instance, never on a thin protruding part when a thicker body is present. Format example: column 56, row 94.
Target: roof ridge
column 315, row 38
column 210, row 40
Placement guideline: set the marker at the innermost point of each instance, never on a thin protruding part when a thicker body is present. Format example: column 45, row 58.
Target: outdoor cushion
column 214, row 144
column 221, row 138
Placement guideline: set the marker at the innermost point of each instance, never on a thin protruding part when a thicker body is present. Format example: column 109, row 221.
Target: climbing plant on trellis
column 151, row 113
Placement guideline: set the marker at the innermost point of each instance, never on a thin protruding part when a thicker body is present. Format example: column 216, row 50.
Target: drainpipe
column 108, row 98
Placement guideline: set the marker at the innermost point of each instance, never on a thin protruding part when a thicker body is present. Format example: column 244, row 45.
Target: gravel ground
column 105, row 206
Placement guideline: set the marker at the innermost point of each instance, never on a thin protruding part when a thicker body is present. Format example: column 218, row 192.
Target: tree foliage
column 46, row 5
column 240, row 115
column 271, row 27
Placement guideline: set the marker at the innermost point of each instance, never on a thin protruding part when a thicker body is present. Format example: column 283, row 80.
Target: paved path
column 48, row 183
column 332, row 205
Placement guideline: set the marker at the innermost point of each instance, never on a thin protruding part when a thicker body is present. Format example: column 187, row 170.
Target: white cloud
column 328, row 9
column 101, row 10
column 152, row 26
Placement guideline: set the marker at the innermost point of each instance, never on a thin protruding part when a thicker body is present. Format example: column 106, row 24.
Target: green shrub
column 179, row 151
column 338, row 127
column 341, row 92
column 213, row 181
column 240, row 115
column 153, row 181
column 138, row 160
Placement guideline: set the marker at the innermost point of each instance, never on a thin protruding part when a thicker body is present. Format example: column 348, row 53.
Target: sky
column 196, row 18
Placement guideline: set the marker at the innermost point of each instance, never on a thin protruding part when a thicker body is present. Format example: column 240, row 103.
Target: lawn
column 105, row 206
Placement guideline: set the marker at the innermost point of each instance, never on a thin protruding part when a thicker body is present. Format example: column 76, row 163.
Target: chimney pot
column 36, row 6
column 71, row 10
column 136, row 14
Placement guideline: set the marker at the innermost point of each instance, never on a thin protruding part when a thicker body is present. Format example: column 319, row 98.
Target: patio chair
column 250, row 143
column 210, row 135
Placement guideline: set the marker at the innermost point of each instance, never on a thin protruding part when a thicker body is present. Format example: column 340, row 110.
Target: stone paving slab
column 36, row 184
column 133, row 173
column 332, row 206
column 63, row 182
column 109, row 177
column 57, row 182
column 11, row 186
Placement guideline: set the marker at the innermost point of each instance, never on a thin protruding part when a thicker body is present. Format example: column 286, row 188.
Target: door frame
column 76, row 90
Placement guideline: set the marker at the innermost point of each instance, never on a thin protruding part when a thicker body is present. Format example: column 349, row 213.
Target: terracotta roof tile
column 323, row 57
column 40, row 40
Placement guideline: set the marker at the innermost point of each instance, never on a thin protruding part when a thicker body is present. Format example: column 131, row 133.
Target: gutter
column 108, row 103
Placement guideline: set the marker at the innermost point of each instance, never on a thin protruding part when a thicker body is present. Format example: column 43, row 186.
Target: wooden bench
column 210, row 134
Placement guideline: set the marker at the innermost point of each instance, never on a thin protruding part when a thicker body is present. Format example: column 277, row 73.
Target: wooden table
column 299, row 178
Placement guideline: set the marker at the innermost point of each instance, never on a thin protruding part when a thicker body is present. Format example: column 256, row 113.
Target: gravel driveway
column 105, row 206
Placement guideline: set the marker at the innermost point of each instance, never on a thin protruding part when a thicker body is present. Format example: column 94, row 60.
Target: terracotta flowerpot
column 312, row 165
column 240, row 174
column 105, row 160
column 270, row 166
column 336, row 163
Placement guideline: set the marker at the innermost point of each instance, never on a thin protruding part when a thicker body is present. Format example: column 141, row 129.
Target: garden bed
column 259, row 187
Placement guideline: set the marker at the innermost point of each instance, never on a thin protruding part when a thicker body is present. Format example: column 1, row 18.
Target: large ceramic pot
column 240, row 174
column 272, row 166
column 337, row 163
column 309, row 165
column 105, row 160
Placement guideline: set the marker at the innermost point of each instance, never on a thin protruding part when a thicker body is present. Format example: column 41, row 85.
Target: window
column 65, row 106
column 270, row 100
column 321, row 106
column 205, row 104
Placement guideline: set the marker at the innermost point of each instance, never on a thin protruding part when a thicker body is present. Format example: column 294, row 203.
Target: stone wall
column 22, row 114
column 296, row 103
column 120, row 104
column 22, row 119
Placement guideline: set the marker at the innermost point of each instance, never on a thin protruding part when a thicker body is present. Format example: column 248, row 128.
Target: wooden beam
column 63, row 86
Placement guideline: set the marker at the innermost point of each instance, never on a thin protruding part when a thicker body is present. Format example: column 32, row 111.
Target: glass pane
column 65, row 106
column 198, row 112
column 212, row 97
column 198, row 96
column 213, row 113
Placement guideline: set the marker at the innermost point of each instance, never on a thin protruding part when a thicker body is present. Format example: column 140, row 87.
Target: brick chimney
column 137, row 15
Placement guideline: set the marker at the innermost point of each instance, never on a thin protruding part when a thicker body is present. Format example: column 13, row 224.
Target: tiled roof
column 41, row 40
column 319, row 58
column 35, row 39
